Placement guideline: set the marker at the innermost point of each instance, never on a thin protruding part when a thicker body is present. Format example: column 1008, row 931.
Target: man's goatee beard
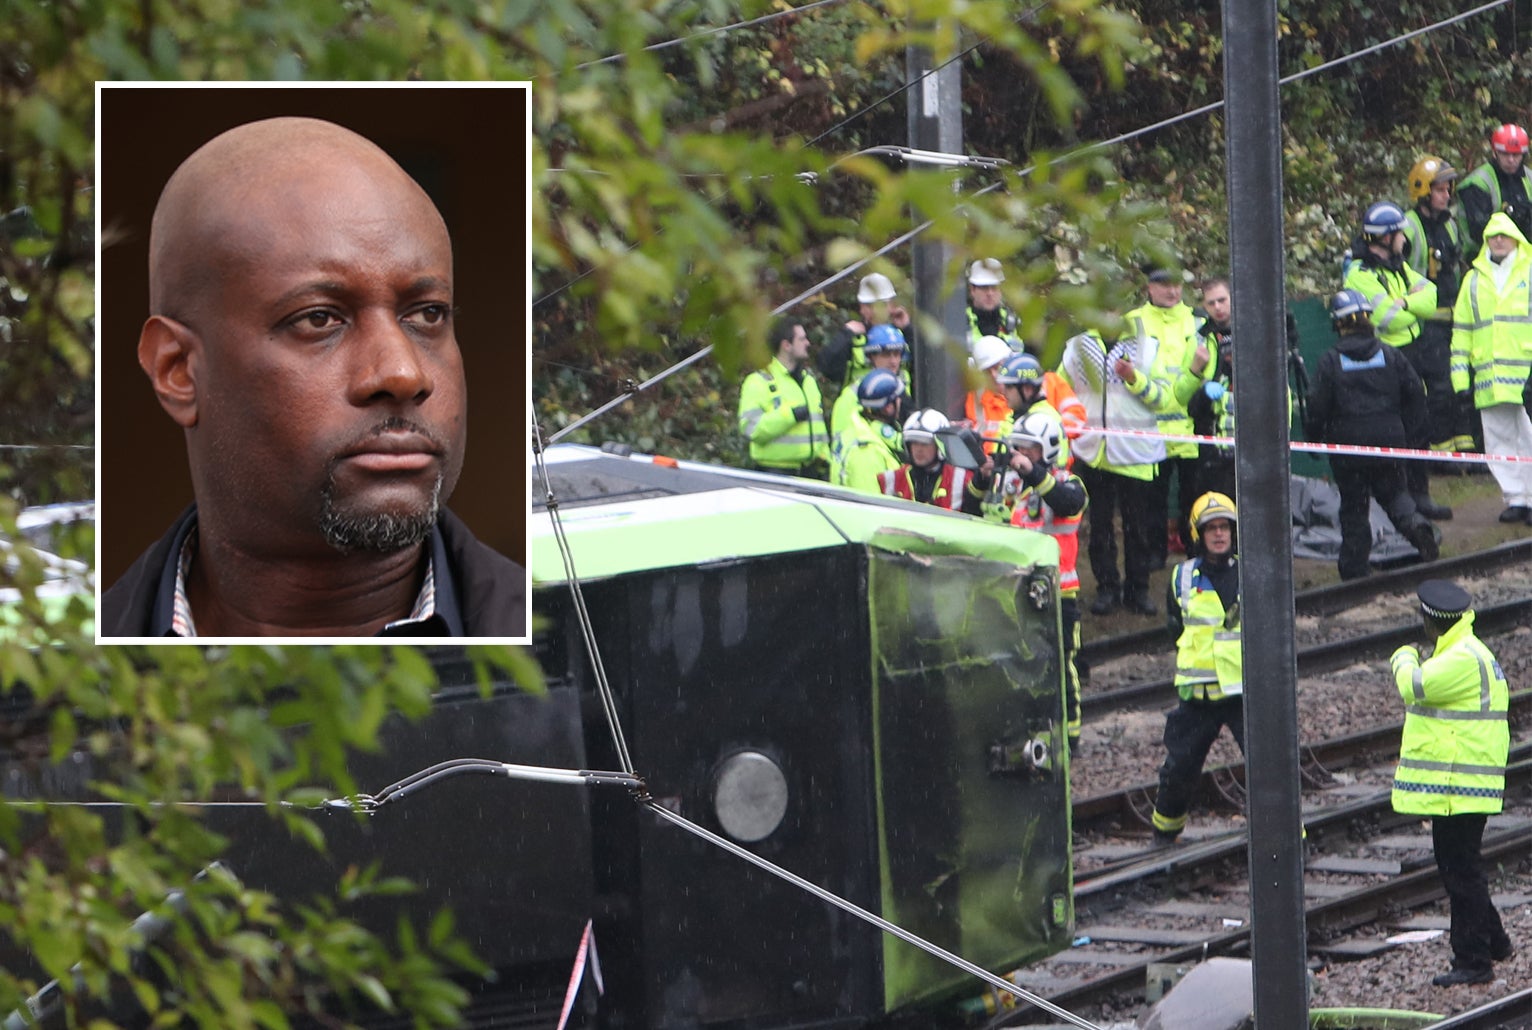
column 378, row 532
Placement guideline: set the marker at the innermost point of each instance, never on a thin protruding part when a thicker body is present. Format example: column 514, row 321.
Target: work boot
column 1454, row 977
column 1427, row 540
column 1136, row 599
column 1108, row 599
column 1162, row 839
column 1431, row 510
column 1503, row 953
column 1516, row 513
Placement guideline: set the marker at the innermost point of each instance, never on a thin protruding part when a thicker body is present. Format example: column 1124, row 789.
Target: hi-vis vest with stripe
column 1032, row 512
column 1456, row 737
column 1491, row 329
column 1208, row 663
column 1399, row 299
column 949, row 488
column 766, row 402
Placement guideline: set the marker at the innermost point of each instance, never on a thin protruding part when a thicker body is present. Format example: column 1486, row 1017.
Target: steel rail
column 1513, row 1012
column 1321, row 658
column 1327, row 600
column 1324, row 917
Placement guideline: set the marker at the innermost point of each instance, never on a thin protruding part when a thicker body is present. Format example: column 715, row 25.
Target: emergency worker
column 926, row 476
column 986, row 409
column 1503, row 183
column 1052, row 500
column 1211, row 404
column 1118, row 471
column 884, row 349
column 1492, row 340
column 781, row 411
column 1164, row 332
column 1434, row 233
column 842, row 361
column 1452, row 767
column 1399, row 297
column 1022, row 382
column 1203, row 611
column 1364, row 392
column 869, row 444
column 987, row 313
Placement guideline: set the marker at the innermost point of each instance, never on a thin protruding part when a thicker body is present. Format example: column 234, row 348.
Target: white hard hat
column 989, row 351
column 986, row 272
column 875, row 287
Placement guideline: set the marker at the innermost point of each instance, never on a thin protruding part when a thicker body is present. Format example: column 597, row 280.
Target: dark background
column 465, row 146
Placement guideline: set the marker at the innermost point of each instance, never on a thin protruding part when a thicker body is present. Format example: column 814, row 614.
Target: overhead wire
column 717, row 30
column 637, row 388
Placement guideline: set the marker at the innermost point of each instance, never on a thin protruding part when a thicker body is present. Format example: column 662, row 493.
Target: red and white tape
column 1356, row 450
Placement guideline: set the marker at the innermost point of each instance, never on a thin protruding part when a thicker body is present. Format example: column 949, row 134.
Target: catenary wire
column 1122, row 138
column 717, row 30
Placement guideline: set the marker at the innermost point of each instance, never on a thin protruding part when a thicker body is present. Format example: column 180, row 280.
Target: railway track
column 1120, row 940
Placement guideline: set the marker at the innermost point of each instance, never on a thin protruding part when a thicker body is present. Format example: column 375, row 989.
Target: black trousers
column 1188, row 489
column 1477, row 932
column 1190, row 729
column 1109, row 493
column 1431, row 357
column 1359, row 480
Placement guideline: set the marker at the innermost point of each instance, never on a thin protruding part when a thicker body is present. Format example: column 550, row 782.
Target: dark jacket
column 491, row 589
column 1363, row 392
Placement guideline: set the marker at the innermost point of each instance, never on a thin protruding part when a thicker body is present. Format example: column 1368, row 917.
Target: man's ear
column 171, row 355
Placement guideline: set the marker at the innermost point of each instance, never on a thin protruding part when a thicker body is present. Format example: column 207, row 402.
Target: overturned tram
column 864, row 692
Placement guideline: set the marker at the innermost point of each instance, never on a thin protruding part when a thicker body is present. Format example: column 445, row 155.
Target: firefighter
column 1503, row 183
column 926, row 476
column 1202, row 606
column 1365, row 392
column 869, row 444
column 1051, row 499
column 1452, row 767
column 781, row 412
column 1399, row 298
column 1435, row 235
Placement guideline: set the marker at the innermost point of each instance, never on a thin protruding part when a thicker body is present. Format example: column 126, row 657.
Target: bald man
column 301, row 334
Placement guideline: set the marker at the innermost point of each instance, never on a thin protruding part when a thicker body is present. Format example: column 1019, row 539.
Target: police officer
column 1399, row 297
column 1503, row 183
column 1202, row 609
column 1050, row 499
column 1164, row 333
column 1491, row 339
column 1452, row 767
column 869, row 444
column 781, row 412
column 1435, row 232
column 1364, row 392
column 926, row 476
column 883, row 348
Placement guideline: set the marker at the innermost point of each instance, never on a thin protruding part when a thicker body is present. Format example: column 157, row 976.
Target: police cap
column 1442, row 599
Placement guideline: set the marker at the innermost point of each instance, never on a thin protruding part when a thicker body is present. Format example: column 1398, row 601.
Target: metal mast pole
column 935, row 118
column 1253, row 126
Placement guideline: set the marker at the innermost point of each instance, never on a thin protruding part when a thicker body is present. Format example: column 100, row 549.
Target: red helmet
column 1509, row 139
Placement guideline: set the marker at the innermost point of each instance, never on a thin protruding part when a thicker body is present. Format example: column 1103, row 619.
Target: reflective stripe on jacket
column 1031, row 511
column 1208, row 662
column 1456, row 737
column 949, row 488
column 1175, row 329
column 766, row 402
column 862, row 450
column 1399, row 299
column 1491, row 327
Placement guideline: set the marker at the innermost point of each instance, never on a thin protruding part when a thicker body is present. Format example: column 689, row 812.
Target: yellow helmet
column 1428, row 171
column 1211, row 505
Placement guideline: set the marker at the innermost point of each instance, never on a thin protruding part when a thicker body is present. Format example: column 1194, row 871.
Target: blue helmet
column 1348, row 304
column 878, row 387
column 1018, row 369
column 883, row 338
column 1383, row 218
